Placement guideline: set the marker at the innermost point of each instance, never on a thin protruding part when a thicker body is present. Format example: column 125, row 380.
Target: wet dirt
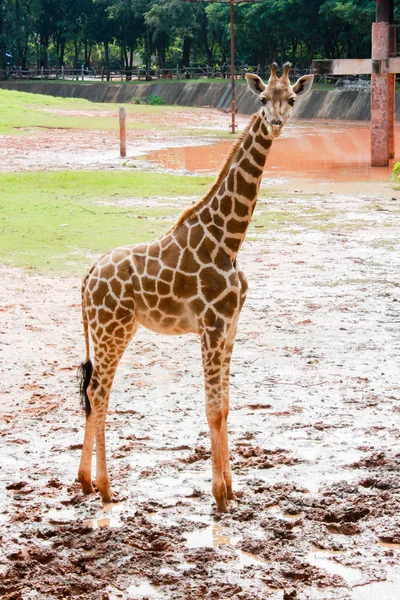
column 49, row 149
column 314, row 429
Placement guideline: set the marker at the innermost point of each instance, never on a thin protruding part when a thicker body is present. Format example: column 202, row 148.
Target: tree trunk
column 24, row 57
column 76, row 55
column 44, row 58
column 62, row 52
column 58, row 63
column 87, row 53
column 18, row 23
column 107, row 60
column 187, row 42
column 161, row 45
column 2, row 46
column 204, row 39
column 311, row 52
column 294, row 50
column 129, row 64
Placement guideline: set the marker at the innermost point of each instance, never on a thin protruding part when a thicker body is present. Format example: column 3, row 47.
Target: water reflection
column 214, row 536
column 327, row 152
column 385, row 590
column 324, row 560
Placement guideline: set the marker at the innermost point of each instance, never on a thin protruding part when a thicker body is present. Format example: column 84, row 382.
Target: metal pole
column 233, row 109
column 383, row 10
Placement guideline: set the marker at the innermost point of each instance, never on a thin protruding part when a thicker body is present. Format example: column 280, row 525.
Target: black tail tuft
column 84, row 376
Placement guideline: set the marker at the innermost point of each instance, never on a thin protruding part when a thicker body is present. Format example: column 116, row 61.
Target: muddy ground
column 314, row 427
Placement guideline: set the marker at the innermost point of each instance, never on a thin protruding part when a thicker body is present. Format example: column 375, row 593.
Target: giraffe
column 186, row 281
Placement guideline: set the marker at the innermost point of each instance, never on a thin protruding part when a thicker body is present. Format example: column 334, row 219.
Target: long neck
column 228, row 212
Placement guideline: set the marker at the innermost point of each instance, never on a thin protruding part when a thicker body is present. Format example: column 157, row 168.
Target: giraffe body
column 186, row 281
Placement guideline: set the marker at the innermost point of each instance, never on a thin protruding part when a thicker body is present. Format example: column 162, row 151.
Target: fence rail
column 140, row 73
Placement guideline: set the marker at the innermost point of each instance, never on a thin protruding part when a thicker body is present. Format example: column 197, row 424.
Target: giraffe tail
column 84, row 376
column 86, row 368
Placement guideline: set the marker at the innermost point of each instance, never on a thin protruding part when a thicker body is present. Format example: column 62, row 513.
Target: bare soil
column 314, row 429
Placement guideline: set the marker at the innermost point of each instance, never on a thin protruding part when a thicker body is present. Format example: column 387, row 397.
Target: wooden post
column 122, row 131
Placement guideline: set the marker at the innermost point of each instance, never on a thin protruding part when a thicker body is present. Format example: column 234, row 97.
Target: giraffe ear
column 255, row 83
column 303, row 85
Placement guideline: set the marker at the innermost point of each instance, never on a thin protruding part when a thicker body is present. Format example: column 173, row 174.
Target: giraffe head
column 278, row 96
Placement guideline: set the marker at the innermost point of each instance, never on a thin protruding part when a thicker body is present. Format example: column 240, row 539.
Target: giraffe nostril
column 276, row 122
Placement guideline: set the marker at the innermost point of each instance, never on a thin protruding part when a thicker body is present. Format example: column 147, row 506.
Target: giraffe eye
column 263, row 101
column 291, row 101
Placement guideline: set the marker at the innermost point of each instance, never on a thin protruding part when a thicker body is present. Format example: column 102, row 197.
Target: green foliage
column 59, row 220
column 395, row 172
column 74, row 31
column 155, row 100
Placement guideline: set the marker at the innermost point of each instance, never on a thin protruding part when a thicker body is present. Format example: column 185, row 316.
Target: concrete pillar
column 380, row 94
column 392, row 86
column 391, row 109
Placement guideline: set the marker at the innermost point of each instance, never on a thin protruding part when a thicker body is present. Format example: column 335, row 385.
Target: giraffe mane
column 191, row 210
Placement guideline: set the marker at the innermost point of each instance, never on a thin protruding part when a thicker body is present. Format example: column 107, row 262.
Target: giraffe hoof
column 86, row 485
column 107, row 497
column 105, row 492
column 231, row 495
column 87, row 488
column 222, row 505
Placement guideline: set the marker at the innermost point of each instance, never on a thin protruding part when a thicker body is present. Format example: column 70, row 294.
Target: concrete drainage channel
column 353, row 105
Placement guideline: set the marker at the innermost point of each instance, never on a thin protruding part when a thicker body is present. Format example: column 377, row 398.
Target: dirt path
column 313, row 430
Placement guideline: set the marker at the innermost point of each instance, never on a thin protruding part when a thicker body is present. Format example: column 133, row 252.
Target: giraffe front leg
column 212, row 352
column 225, row 402
column 219, row 491
column 225, row 387
column 226, row 466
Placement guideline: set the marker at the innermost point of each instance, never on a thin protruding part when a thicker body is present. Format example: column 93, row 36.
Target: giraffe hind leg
column 110, row 339
column 212, row 344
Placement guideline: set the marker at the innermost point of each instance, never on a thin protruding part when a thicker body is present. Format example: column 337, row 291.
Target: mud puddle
column 322, row 151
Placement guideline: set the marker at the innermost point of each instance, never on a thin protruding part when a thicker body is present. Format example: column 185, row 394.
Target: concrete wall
column 318, row 104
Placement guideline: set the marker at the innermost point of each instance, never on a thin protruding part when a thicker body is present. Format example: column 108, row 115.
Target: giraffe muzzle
column 276, row 127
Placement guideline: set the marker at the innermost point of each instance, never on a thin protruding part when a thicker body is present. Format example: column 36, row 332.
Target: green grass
column 56, row 221
column 20, row 111
column 287, row 219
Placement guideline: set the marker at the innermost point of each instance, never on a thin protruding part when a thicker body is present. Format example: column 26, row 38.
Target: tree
column 103, row 28
column 169, row 19
column 349, row 25
column 129, row 22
